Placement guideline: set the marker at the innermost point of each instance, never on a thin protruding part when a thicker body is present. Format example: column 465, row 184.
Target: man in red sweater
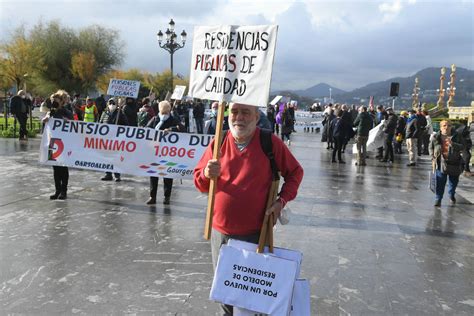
column 244, row 178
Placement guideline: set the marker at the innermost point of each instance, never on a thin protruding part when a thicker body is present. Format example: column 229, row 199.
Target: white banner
column 123, row 149
column 233, row 63
column 123, row 88
column 178, row 92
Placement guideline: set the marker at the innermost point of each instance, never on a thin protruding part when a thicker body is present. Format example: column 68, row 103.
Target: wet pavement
column 373, row 244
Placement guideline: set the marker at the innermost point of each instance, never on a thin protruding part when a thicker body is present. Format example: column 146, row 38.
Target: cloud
column 344, row 43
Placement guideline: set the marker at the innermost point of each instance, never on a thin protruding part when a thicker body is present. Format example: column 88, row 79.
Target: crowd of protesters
column 341, row 123
column 449, row 149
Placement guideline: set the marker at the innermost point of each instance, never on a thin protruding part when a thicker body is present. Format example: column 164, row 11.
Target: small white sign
column 123, row 88
column 233, row 63
column 178, row 92
column 276, row 99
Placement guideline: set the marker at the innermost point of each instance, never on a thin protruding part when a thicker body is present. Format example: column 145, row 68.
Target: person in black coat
column 389, row 126
column 113, row 115
column 338, row 130
column 198, row 114
column 19, row 108
column 58, row 111
column 400, row 131
column 347, row 117
column 130, row 111
column 287, row 124
column 465, row 132
column 100, row 104
column 166, row 122
column 326, row 135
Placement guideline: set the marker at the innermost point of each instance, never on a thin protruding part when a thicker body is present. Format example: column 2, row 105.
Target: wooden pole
column 215, row 155
column 266, row 234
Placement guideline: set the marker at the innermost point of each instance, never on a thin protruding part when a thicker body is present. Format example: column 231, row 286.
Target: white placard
column 276, row 99
column 123, row 88
column 257, row 282
column 233, row 63
column 178, row 92
column 123, row 149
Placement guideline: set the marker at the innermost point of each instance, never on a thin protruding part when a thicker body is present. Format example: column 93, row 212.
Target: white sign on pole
column 123, row 149
column 275, row 100
column 178, row 92
column 123, row 88
column 233, row 63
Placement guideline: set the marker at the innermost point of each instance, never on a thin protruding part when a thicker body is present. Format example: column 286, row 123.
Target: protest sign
column 233, row 63
column 123, row 88
column 123, row 149
column 257, row 282
column 178, row 92
column 276, row 99
column 375, row 139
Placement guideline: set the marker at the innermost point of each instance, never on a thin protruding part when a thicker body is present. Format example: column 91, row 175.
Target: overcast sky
column 347, row 44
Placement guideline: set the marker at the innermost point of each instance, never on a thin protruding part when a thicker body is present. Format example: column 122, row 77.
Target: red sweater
column 245, row 180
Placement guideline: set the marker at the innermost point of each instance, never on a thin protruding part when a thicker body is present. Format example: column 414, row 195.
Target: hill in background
column 428, row 83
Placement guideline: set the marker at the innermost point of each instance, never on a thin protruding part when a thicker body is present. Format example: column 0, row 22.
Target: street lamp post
column 416, row 91
column 330, row 95
column 441, row 90
column 451, row 89
column 171, row 45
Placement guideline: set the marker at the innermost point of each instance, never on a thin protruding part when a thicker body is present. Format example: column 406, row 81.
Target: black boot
column 55, row 195
column 63, row 194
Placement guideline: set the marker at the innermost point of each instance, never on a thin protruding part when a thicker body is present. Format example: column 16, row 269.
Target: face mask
column 112, row 107
column 214, row 112
column 163, row 117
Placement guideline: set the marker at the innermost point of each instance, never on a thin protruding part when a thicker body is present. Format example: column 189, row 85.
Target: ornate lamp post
column 441, row 90
column 451, row 89
column 416, row 91
column 171, row 45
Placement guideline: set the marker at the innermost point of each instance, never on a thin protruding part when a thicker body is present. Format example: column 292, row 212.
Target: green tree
column 21, row 61
column 104, row 44
column 66, row 52
column 83, row 68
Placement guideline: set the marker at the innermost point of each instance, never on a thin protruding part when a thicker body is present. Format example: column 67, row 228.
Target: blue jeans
column 441, row 183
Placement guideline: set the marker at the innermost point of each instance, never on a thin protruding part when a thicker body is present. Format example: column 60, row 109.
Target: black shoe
column 62, row 195
column 106, row 178
column 437, row 203
column 54, row 196
column 411, row 164
column 383, row 160
column 378, row 157
column 333, row 160
column 166, row 200
column 342, row 161
column 452, row 200
column 117, row 180
column 151, row 201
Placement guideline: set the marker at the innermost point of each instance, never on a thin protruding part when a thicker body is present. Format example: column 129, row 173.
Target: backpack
column 267, row 148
